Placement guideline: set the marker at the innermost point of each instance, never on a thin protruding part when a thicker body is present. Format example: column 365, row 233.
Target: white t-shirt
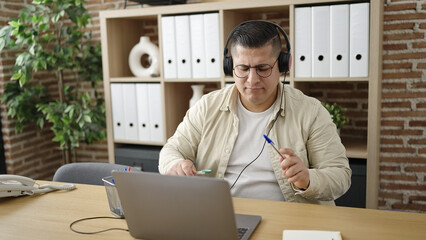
column 258, row 180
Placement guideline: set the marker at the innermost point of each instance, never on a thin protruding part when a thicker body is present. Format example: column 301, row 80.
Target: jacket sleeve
column 184, row 143
column 329, row 171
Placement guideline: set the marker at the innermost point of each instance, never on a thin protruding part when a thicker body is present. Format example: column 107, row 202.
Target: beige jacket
column 209, row 130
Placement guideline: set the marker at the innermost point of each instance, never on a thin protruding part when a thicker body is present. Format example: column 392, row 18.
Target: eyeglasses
column 263, row 70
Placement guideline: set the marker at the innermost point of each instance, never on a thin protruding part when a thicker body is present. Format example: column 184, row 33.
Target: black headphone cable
column 264, row 143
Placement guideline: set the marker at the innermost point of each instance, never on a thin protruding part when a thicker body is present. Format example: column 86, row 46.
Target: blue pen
column 272, row 144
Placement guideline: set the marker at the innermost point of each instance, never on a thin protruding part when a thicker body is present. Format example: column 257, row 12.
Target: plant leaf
column 16, row 76
column 87, row 118
column 2, row 43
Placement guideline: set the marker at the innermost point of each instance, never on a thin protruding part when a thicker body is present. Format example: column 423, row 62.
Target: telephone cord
column 96, row 232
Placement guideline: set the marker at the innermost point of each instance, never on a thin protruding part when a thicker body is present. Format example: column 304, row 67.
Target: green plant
column 51, row 36
column 337, row 114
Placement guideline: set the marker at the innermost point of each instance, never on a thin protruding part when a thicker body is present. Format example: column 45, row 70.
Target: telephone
column 14, row 185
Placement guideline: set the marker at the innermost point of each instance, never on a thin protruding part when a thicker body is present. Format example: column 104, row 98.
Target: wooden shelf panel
column 138, row 142
column 256, row 8
column 121, row 35
column 238, row 6
column 345, row 79
column 158, row 79
column 135, row 79
column 355, row 147
column 193, row 80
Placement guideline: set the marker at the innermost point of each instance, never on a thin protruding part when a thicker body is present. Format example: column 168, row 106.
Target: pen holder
column 113, row 199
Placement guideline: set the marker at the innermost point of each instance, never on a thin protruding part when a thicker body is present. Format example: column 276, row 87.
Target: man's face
column 256, row 93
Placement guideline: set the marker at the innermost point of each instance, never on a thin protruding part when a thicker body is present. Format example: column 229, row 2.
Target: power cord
column 92, row 218
column 264, row 143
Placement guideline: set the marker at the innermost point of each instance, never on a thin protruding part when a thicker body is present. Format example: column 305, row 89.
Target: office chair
column 86, row 172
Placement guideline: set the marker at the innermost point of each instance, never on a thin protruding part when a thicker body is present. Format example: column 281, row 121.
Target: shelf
column 194, row 80
column 244, row 7
column 355, row 147
column 138, row 142
column 257, row 7
column 135, row 79
column 344, row 79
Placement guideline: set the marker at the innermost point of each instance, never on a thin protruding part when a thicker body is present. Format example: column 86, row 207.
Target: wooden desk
column 48, row 216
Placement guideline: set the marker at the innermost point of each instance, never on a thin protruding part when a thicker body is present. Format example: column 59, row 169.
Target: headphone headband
column 284, row 60
column 280, row 29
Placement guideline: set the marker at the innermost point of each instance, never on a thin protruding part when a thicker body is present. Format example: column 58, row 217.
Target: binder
column 212, row 48
column 144, row 133
column 183, row 47
column 303, row 42
column 339, row 40
column 168, row 41
column 321, row 41
column 359, row 37
column 117, row 111
column 198, row 56
column 156, row 113
column 130, row 114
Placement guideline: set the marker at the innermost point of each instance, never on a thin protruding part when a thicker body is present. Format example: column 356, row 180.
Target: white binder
column 156, row 113
column 212, row 48
column 359, row 37
column 168, row 40
column 144, row 133
column 183, row 47
column 117, row 111
column 130, row 114
column 303, row 42
column 339, row 44
column 321, row 41
column 198, row 56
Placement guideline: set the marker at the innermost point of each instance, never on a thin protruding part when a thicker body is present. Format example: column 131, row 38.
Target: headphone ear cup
column 284, row 62
column 227, row 66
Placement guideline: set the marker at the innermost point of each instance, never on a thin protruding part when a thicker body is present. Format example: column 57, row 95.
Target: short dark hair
column 256, row 34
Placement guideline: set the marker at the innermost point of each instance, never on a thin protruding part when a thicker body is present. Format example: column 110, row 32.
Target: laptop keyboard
column 241, row 232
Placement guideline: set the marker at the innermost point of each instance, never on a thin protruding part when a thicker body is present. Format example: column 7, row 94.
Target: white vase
column 197, row 94
column 145, row 46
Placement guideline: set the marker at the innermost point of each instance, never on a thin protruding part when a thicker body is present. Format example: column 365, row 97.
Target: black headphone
column 284, row 59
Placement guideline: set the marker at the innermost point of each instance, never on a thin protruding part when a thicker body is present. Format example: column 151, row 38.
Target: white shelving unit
column 121, row 30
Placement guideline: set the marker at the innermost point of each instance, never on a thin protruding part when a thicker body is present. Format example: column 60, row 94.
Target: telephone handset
column 14, row 185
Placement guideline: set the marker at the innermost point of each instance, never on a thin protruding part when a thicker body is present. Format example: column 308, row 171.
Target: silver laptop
column 172, row 207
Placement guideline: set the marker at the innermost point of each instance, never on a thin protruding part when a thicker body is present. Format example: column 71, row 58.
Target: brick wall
column 353, row 97
column 403, row 141
column 32, row 153
column 403, row 131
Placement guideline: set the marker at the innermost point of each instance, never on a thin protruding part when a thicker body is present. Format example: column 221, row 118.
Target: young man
column 224, row 131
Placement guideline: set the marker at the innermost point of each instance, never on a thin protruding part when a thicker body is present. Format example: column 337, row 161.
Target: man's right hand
column 183, row 168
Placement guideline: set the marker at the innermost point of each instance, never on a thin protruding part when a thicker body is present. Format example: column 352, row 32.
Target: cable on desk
column 92, row 218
